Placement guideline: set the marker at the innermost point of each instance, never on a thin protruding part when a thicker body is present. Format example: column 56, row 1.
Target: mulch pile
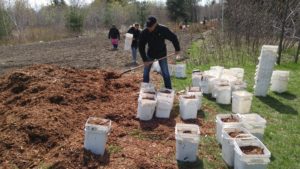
column 43, row 110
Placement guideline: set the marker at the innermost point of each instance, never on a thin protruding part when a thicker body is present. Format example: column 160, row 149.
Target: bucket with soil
column 250, row 153
column 188, row 106
column 226, row 120
column 165, row 100
column 146, row 106
column 187, row 142
column 197, row 92
column 229, row 134
column 96, row 133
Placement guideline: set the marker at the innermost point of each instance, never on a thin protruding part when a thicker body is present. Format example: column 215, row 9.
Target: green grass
column 282, row 134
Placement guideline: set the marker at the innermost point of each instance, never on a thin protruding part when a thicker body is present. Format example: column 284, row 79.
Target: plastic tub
column 279, row 81
column 196, row 78
column 128, row 41
column 180, row 71
column 218, row 83
column 156, row 67
column 188, row 106
column 187, row 141
column 146, row 107
column 172, row 68
column 197, row 92
column 241, row 102
column 238, row 86
column 96, row 132
column 227, row 142
column 254, row 123
column 250, row 161
column 204, row 83
column 165, row 100
column 238, row 73
column 221, row 124
column 223, row 94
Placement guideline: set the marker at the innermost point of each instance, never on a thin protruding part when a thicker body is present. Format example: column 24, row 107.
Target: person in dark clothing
column 134, row 45
column 114, row 36
column 154, row 35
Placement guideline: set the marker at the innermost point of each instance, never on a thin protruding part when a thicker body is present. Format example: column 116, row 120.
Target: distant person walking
column 154, row 35
column 114, row 36
column 135, row 31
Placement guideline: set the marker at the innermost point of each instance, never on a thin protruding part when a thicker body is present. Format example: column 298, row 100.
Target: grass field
column 282, row 135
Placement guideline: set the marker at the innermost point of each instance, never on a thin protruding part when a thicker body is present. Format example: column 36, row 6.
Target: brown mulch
column 43, row 110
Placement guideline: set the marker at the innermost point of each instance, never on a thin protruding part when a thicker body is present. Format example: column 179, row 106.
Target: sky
column 38, row 3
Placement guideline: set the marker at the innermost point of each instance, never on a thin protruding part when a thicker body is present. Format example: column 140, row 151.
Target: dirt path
column 82, row 52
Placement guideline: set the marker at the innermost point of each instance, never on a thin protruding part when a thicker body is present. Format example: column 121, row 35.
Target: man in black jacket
column 135, row 31
column 154, row 35
column 114, row 36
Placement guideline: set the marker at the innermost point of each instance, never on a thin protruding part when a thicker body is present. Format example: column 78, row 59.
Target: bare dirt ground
column 82, row 52
column 43, row 109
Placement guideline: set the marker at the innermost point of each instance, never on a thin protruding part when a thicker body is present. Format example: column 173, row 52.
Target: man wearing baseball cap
column 155, row 35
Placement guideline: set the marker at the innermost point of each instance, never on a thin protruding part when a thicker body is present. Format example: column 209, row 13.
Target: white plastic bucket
column 165, row 100
column 204, row 83
column 238, row 73
column 128, row 41
column 146, row 107
column 279, row 81
column 172, row 68
column 250, row 161
column 188, row 107
column 197, row 92
column 227, row 142
column 147, row 87
column 96, row 132
column 223, row 94
column 238, row 86
column 254, row 123
column 218, row 83
column 196, row 78
column 156, row 67
column 220, row 124
column 241, row 102
column 180, row 71
column 187, row 142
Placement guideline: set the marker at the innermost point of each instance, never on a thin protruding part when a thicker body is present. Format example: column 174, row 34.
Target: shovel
column 134, row 68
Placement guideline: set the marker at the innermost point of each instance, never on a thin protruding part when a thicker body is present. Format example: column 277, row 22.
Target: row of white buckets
column 187, row 138
column 238, row 131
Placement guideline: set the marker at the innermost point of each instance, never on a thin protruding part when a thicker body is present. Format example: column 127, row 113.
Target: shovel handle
column 131, row 69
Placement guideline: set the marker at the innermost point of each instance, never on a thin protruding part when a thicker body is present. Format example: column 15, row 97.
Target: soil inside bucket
column 166, row 91
column 148, row 98
column 189, row 97
column 97, row 121
column 229, row 119
column 252, row 150
column 149, row 93
column 234, row 134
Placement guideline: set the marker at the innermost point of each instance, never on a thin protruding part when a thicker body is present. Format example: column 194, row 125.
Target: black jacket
column 114, row 33
column 156, row 43
column 136, row 35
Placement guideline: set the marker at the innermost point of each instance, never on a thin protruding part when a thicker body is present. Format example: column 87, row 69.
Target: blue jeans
column 134, row 54
column 164, row 72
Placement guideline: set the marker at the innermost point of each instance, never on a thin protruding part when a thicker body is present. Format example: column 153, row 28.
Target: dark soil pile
column 43, row 110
